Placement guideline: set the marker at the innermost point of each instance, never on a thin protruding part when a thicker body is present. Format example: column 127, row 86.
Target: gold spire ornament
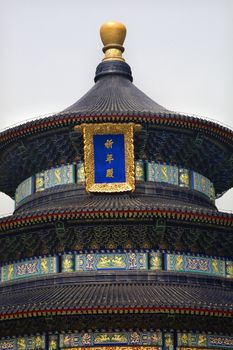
column 113, row 36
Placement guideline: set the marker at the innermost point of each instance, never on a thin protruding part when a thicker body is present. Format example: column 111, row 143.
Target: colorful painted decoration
column 162, row 173
column 149, row 340
column 194, row 264
column 24, row 190
column 8, row 344
column 80, row 172
column 55, row 176
column 111, row 261
column 169, row 341
column 67, row 263
column 184, row 178
column 202, row 184
column 31, row 343
column 155, row 261
column 139, row 171
column 59, row 176
column 110, row 339
column 204, row 341
column 53, row 342
column 40, row 186
column 229, row 269
column 154, row 172
column 173, row 175
column 29, row 268
column 109, row 157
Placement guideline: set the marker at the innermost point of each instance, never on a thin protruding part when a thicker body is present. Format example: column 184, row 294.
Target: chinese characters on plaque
column 109, row 156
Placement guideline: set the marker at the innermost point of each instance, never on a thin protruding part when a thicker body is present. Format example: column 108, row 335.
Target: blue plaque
column 109, row 158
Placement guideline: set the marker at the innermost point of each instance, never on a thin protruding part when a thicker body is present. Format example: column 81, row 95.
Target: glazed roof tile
column 117, row 291
column 116, row 206
column 115, row 95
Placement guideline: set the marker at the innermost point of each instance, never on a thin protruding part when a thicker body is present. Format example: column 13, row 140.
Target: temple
column 116, row 241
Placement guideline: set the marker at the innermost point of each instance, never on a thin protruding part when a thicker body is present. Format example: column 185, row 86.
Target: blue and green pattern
column 152, row 261
column 184, row 178
column 69, row 340
column 139, row 171
column 162, row 173
column 29, row 268
column 155, row 172
column 59, row 176
column 111, row 261
column 63, row 175
column 24, row 190
column 195, row 264
column 204, row 341
column 229, row 269
column 40, row 186
column 80, row 171
column 201, row 184
column 157, row 339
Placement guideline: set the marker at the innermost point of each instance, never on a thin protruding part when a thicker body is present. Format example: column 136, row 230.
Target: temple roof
column 189, row 142
column 116, row 207
column 122, row 292
column 114, row 94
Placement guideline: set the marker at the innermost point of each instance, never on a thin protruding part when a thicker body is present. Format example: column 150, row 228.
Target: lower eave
column 54, row 215
column 119, row 292
column 115, row 310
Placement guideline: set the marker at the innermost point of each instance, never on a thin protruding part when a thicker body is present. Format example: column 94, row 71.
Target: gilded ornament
column 21, row 344
column 113, row 35
column 89, row 130
column 52, row 344
column 202, row 340
column 179, row 262
column 10, row 271
column 215, row 265
column 44, row 265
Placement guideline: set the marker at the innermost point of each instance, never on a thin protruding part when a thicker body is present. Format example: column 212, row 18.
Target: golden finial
column 113, row 36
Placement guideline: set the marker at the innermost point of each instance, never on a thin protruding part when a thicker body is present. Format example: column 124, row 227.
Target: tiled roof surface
column 107, row 291
column 114, row 95
column 117, row 206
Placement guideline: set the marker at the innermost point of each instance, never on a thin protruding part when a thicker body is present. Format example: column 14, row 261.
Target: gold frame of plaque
column 125, row 129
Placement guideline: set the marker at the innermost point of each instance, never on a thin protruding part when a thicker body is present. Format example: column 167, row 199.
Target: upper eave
column 70, row 119
column 114, row 98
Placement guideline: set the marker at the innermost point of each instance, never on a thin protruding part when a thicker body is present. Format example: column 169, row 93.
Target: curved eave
column 14, row 221
column 71, row 119
column 118, row 293
column 109, row 310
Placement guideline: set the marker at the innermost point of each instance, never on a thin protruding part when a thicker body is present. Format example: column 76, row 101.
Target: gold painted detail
column 182, row 348
column 196, row 341
column 117, row 348
column 113, row 35
column 89, row 130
